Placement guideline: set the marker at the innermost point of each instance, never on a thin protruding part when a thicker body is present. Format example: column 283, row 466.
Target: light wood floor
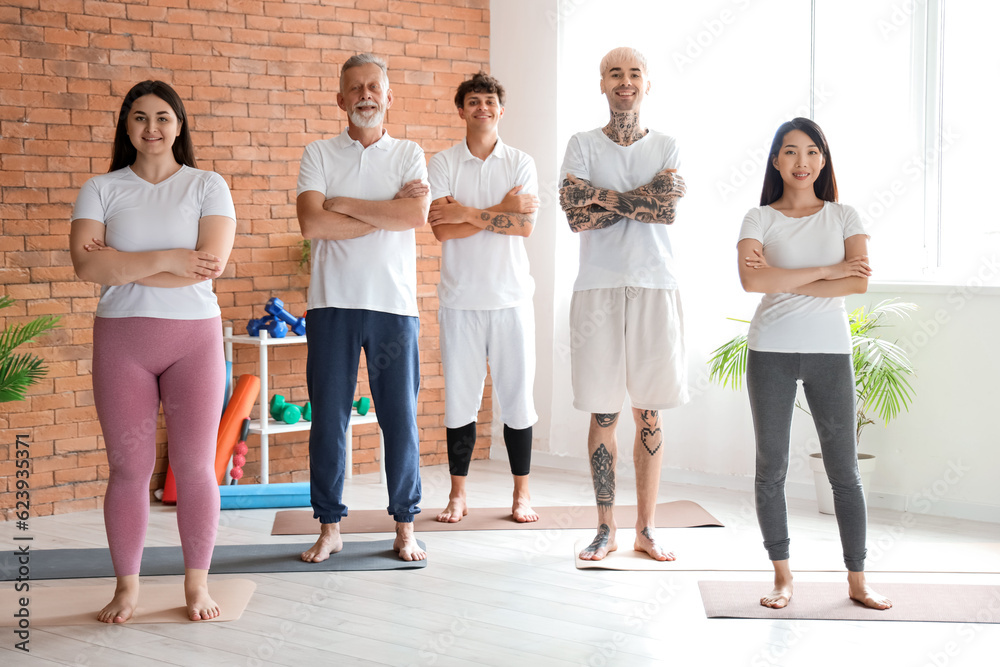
column 515, row 597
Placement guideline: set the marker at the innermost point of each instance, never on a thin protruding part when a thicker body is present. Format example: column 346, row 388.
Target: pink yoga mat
column 677, row 514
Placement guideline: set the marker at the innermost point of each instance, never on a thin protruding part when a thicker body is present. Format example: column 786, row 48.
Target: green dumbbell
column 288, row 412
column 362, row 405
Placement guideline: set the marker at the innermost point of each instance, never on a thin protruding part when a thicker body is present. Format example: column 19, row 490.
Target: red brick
column 259, row 79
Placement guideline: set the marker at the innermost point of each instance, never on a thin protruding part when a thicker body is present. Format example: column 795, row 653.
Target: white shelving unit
column 265, row 426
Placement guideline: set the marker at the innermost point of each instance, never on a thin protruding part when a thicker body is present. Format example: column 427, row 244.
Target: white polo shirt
column 140, row 216
column 628, row 253
column 485, row 271
column 373, row 272
column 796, row 322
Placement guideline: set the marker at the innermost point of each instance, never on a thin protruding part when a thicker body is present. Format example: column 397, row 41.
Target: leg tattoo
column 651, row 434
column 603, row 471
column 605, row 420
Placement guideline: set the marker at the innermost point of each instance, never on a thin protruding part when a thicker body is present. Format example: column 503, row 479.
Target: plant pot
column 824, row 492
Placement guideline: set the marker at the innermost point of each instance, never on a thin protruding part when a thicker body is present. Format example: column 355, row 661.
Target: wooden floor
column 515, row 597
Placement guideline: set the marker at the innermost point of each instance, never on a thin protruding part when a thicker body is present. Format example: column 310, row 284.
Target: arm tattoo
column 591, row 217
column 643, row 207
column 605, row 420
column 580, row 213
column 654, row 202
column 502, row 221
column 601, row 541
column 603, row 471
column 505, row 223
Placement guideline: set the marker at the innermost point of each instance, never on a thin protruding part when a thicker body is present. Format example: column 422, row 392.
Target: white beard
column 367, row 120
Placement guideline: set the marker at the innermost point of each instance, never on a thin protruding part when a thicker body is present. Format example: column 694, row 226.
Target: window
column 897, row 85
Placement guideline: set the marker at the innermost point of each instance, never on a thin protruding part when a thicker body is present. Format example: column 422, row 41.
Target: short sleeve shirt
column 485, row 271
column 796, row 322
column 377, row 271
column 140, row 216
column 628, row 253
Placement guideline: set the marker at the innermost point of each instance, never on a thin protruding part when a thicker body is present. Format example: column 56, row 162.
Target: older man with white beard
column 361, row 195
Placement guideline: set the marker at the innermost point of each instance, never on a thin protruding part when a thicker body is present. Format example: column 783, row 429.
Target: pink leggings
column 140, row 362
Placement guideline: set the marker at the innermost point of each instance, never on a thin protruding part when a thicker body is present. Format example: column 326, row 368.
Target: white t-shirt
column 140, row 216
column 485, row 271
column 628, row 253
column 377, row 271
column 795, row 322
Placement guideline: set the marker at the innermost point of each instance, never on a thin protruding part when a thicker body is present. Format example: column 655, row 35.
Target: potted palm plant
column 881, row 372
column 20, row 371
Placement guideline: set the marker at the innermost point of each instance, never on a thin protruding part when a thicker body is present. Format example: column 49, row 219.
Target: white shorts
column 505, row 336
column 627, row 338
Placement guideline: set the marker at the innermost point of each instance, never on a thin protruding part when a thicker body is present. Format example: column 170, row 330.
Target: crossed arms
column 513, row 216
column 588, row 207
column 847, row 277
column 342, row 218
column 97, row 262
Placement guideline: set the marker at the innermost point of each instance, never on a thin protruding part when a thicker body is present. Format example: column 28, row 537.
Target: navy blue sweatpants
column 336, row 337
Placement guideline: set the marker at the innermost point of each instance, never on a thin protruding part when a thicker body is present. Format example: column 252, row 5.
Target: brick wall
column 259, row 81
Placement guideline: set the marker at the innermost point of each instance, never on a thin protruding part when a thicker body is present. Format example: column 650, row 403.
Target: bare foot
column 602, row 545
column 329, row 542
column 123, row 604
column 645, row 542
column 455, row 510
column 200, row 605
column 861, row 592
column 522, row 511
column 781, row 595
column 406, row 543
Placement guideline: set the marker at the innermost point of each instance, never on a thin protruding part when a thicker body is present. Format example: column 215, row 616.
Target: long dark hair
column 124, row 152
column 825, row 185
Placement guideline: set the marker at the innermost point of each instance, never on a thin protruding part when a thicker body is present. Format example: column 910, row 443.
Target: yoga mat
column 158, row 603
column 227, row 559
column 740, row 550
column 677, row 514
column 940, row 603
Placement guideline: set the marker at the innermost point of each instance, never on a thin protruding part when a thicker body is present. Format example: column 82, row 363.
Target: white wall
column 941, row 458
column 523, row 43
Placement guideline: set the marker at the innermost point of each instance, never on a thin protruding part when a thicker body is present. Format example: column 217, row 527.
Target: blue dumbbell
column 275, row 328
column 276, row 307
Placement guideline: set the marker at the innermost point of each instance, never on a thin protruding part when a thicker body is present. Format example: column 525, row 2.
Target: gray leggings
column 828, row 381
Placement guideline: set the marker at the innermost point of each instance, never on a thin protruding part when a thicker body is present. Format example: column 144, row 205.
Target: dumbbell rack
column 265, row 425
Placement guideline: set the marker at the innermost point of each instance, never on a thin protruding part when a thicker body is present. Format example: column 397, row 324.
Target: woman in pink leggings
column 154, row 231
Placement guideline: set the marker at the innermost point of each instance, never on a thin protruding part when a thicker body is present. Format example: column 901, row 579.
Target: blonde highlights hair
column 623, row 53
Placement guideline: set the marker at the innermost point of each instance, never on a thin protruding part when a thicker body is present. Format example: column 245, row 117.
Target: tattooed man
column 483, row 206
column 620, row 192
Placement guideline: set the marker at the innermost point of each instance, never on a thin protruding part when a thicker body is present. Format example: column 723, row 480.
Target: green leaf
column 17, row 373
column 729, row 363
column 19, row 334
column 20, row 371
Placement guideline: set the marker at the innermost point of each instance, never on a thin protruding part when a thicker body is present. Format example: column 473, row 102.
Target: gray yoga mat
column 227, row 559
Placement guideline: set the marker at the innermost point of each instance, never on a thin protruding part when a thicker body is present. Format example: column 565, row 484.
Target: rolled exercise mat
column 256, row 496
